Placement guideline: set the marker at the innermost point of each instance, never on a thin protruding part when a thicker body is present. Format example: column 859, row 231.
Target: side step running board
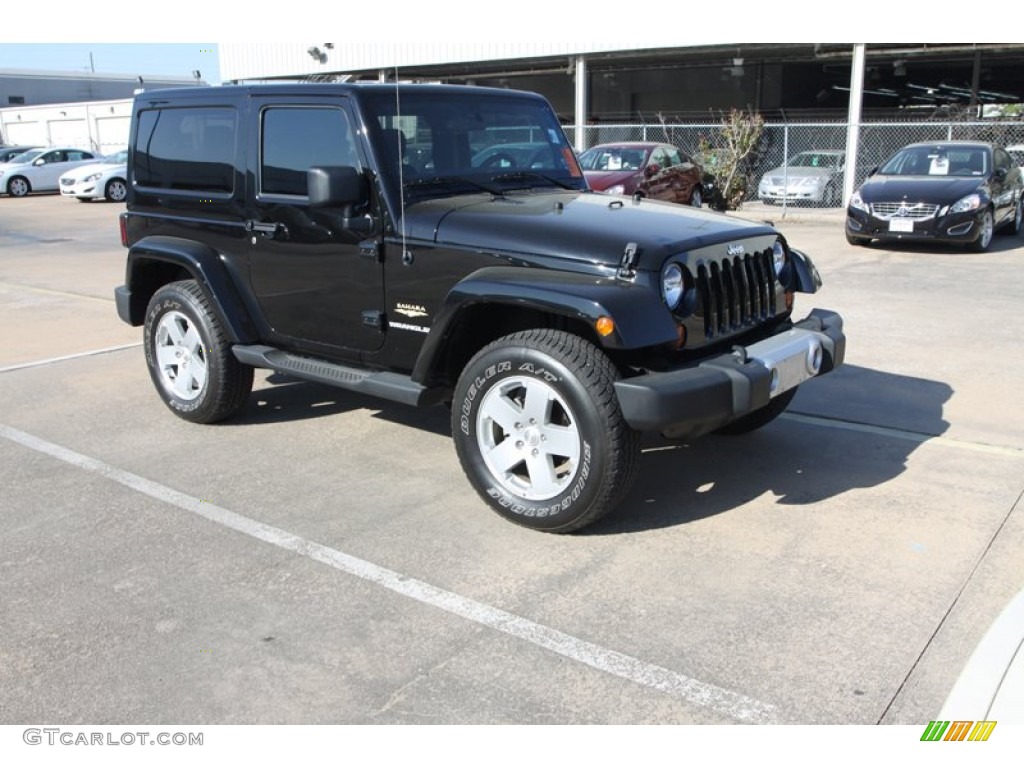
column 391, row 386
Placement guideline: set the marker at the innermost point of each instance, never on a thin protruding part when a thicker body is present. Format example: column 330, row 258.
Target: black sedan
column 957, row 191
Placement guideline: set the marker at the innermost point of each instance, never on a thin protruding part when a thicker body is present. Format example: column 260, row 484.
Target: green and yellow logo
column 958, row 730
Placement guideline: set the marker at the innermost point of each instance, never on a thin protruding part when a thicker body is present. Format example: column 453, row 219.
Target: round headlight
column 672, row 284
column 616, row 189
column 778, row 257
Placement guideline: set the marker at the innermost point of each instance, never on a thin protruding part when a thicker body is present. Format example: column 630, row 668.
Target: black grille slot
column 736, row 293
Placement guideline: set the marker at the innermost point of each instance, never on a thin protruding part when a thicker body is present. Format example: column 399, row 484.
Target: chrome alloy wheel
column 528, row 438
column 987, row 228
column 181, row 358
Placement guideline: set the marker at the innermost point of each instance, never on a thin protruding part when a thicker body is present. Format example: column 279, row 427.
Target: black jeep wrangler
column 439, row 245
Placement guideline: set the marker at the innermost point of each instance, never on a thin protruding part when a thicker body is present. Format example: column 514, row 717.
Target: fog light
column 604, row 325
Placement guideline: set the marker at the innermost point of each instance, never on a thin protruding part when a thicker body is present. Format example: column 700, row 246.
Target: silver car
column 815, row 176
column 38, row 170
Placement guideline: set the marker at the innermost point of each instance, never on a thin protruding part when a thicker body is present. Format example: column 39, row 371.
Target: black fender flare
column 805, row 278
column 205, row 264
column 641, row 317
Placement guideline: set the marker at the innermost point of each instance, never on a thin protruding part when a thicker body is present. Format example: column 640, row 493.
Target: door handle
column 268, row 229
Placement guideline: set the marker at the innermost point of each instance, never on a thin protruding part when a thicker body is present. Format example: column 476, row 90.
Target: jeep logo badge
column 734, row 250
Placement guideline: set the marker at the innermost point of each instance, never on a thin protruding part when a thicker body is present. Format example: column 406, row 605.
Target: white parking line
column 728, row 703
column 49, row 360
column 902, row 434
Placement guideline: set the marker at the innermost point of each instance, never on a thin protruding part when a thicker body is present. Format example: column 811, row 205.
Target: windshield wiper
column 448, row 181
column 524, row 175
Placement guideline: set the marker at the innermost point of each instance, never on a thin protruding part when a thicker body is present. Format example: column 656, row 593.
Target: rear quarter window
column 190, row 148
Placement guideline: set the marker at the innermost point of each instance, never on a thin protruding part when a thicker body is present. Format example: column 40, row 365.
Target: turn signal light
column 605, row 325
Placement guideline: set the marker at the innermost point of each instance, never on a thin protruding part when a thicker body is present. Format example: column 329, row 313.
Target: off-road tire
column 189, row 357
column 575, row 461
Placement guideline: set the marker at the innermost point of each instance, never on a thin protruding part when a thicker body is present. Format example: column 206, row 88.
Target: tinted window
column 294, row 139
column 73, row 155
column 191, row 148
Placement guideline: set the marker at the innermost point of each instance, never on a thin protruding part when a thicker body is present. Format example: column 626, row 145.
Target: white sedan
column 102, row 180
column 39, row 170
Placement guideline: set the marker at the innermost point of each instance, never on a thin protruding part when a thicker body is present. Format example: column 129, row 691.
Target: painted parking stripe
column 733, row 705
column 75, row 356
column 902, row 434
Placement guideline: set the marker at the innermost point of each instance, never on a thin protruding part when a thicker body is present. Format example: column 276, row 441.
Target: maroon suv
column 658, row 171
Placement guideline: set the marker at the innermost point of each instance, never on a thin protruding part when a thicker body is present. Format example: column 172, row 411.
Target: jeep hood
column 587, row 227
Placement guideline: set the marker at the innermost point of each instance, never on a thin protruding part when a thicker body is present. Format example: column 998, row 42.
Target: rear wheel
column 1014, row 225
column 189, row 357
column 539, row 432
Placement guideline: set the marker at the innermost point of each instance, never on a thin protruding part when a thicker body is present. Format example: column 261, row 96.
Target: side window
column 53, row 157
column 674, row 158
column 74, row 156
column 1003, row 159
column 660, row 158
column 294, row 139
column 190, row 148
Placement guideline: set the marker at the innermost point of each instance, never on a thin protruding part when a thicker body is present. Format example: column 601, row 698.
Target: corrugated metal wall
column 249, row 61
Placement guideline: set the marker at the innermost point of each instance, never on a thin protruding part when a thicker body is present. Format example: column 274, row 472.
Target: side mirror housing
column 337, row 186
column 651, row 169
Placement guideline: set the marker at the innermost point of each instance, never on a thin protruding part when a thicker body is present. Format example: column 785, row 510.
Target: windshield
column 118, row 158
column 435, row 143
column 938, row 160
column 605, row 158
column 26, row 157
column 816, row 160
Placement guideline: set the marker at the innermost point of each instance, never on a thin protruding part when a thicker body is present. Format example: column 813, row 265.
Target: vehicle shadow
column 799, row 459
column 292, row 399
column 854, row 429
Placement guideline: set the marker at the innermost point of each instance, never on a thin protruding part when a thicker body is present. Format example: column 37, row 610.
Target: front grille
column 916, row 211
column 736, row 293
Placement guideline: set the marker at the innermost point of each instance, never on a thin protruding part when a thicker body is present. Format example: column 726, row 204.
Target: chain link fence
column 802, row 163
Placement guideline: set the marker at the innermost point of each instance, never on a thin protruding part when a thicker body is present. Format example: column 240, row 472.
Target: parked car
column 9, row 153
column 1017, row 153
column 39, row 170
column 103, row 180
column 957, row 192
column 990, row 687
column 815, row 176
column 658, row 171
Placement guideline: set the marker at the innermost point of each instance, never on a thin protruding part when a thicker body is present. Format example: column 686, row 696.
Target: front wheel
column 986, row 227
column 18, row 187
column 189, row 356
column 539, row 431
column 116, row 191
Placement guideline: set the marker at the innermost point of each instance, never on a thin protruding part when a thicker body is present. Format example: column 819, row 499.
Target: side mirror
column 873, row 171
column 651, row 169
column 40, row 161
column 1000, row 173
column 337, row 186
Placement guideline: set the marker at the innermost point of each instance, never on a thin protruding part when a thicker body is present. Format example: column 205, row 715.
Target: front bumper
column 81, row 190
column 953, row 228
column 771, row 193
column 715, row 392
